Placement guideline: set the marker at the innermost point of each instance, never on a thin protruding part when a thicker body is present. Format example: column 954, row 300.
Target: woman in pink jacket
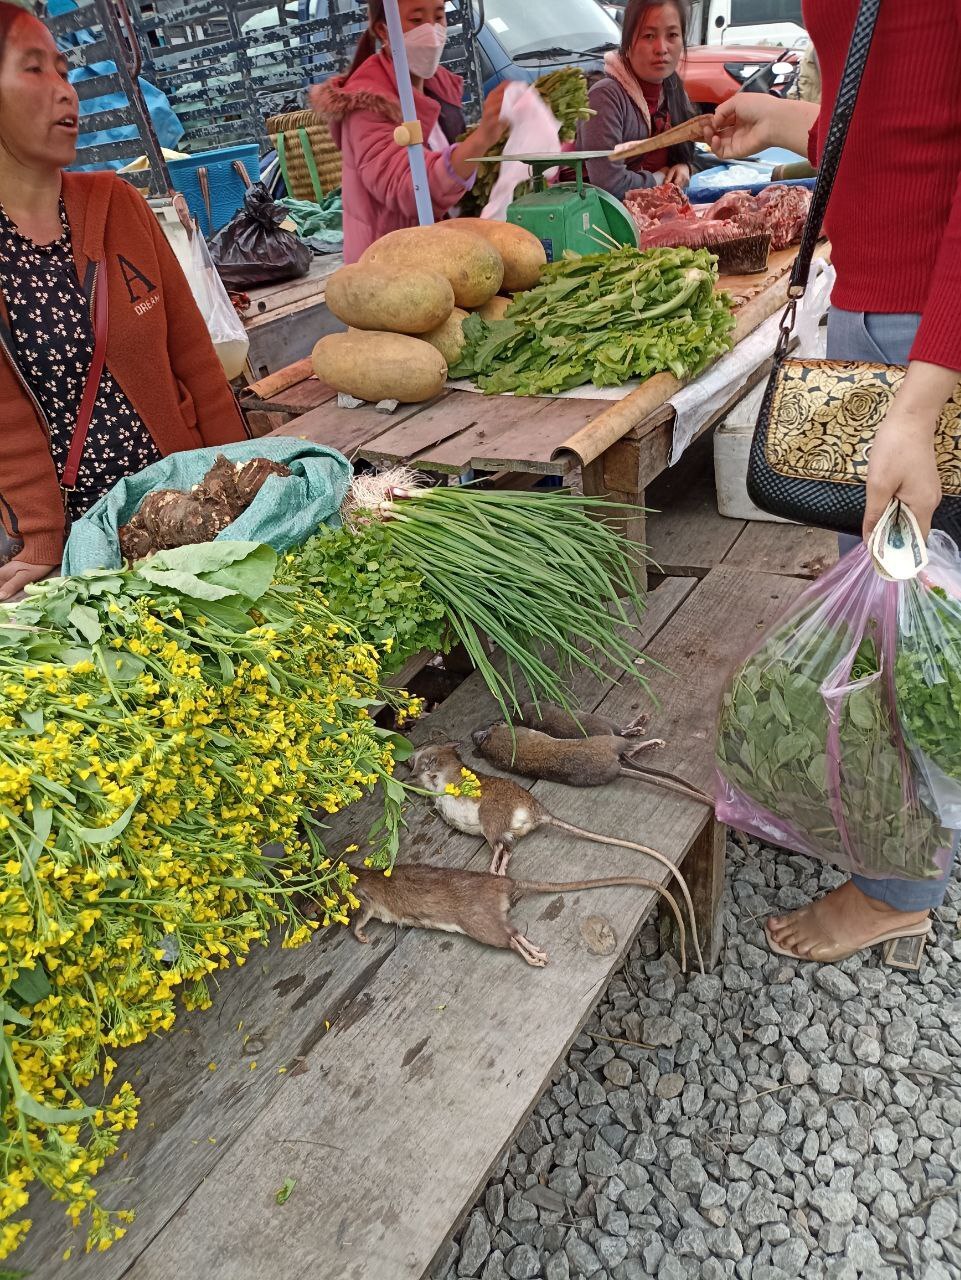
column 363, row 110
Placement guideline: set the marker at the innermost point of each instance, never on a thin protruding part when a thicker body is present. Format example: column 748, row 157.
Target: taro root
column 171, row 518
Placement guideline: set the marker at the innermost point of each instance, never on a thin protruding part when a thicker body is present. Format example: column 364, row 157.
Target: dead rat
column 470, row 902
column 558, row 723
column 504, row 813
column 577, row 762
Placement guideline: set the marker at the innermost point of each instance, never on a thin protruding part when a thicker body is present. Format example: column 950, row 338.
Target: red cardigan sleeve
column 939, row 335
column 814, row 143
column 31, row 502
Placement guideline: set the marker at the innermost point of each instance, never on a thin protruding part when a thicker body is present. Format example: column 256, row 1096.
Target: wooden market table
column 387, row 1080
column 285, row 320
column 620, row 446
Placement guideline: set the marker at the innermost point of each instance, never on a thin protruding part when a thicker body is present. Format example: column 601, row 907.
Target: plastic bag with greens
column 840, row 736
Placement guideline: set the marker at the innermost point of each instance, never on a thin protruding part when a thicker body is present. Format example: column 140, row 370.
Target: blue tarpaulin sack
column 284, row 514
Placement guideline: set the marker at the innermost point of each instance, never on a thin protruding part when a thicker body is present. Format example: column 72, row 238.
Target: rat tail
column 520, row 888
column 651, row 853
column 661, row 778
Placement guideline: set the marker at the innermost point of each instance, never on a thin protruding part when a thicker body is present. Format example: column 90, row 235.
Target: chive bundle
column 537, row 573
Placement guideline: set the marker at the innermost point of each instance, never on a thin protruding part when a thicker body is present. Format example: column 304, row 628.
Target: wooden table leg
column 615, row 475
column 703, row 869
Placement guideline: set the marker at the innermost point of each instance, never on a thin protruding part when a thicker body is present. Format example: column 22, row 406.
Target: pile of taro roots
column 665, row 217
column 171, row 518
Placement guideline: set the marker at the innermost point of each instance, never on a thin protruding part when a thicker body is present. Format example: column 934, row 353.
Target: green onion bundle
column 537, row 573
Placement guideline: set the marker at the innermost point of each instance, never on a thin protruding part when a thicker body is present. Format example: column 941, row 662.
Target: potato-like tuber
column 170, row 518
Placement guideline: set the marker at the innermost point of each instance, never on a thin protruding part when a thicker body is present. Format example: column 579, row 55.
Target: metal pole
column 128, row 59
column 415, row 149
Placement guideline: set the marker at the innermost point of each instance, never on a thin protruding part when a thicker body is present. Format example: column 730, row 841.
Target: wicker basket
column 309, row 160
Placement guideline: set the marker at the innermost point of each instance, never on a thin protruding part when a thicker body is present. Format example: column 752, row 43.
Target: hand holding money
column 896, row 545
column 903, row 466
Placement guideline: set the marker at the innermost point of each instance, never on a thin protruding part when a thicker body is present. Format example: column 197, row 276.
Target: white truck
column 747, row 22
column 741, row 22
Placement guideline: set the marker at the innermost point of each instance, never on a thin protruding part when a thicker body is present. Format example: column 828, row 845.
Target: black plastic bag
column 254, row 249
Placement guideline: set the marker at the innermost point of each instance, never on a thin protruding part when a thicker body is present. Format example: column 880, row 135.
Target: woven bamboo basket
column 310, row 161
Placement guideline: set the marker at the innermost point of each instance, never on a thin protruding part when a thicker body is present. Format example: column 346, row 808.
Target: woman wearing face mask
column 363, row 110
column 641, row 95
column 98, row 326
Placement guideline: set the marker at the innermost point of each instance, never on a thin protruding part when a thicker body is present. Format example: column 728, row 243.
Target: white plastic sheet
column 703, row 399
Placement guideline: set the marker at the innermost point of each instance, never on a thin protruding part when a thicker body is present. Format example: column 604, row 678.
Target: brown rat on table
column 576, row 762
column 470, row 902
column 505, row 812
column 553, row 720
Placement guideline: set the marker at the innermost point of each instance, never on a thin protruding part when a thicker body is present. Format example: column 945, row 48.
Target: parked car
column 712, row 73
column 526, row 41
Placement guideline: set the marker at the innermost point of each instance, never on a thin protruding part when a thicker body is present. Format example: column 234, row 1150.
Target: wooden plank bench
column 686, row 535
column 387, row 1079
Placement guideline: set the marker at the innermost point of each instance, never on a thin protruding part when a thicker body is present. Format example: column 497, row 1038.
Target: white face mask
column 425, row 45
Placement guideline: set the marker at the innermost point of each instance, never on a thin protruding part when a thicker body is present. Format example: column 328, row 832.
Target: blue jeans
column 860, row 335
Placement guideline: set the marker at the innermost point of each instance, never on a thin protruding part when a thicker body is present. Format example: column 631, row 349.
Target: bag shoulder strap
column 860, row 47
column 94, row 374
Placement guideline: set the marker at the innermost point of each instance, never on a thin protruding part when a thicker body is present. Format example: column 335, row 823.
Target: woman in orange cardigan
column 69, row 242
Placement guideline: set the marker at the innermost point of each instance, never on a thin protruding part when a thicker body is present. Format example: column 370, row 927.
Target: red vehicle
column 712, row 73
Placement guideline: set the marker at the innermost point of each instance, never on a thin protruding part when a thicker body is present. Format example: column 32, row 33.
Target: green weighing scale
column 575, row 216
column 571, row 215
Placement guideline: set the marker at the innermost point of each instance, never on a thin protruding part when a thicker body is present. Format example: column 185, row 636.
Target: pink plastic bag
column 840, row 736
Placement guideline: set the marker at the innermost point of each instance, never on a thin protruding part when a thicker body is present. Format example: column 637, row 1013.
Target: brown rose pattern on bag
column 824, row 415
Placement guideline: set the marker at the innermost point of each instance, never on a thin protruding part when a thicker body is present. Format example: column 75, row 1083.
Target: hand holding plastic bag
column 533, row 129
column 840, row 737
column 226, row 328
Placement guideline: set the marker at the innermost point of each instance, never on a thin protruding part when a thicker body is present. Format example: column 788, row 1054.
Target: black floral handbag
column 809, row 456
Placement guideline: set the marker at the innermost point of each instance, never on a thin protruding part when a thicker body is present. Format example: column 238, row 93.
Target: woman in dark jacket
column 640, row 95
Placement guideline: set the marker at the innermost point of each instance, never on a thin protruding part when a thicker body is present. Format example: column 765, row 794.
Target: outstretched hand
column 750, row 122
column 17, row 574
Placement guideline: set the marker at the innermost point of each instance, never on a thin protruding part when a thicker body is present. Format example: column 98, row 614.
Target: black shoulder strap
column 857, row 58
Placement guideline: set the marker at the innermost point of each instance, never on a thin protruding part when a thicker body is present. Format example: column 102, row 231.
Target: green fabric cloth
column 323, row 223
column 284, row 514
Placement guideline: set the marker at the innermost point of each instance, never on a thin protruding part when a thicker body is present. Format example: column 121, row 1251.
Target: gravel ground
column 790, row 1120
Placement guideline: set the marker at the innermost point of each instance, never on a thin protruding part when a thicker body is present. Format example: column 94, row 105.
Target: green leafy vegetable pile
column 369, row 582
column 928, row 679
column 604, row 318
column 565, row 92
column 772, row 746
column 537, row 573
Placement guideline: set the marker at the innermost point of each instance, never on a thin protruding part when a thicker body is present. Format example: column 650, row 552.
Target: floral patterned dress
column 52, row 334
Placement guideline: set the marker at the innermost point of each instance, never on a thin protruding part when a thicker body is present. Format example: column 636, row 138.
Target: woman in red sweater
column 894, row 222
column 67, row 241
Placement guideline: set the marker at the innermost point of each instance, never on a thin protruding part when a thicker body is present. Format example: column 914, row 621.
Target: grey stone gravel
column 475, row 1245
column 789, row 1120
column 582, row 1257
column 523, row 1263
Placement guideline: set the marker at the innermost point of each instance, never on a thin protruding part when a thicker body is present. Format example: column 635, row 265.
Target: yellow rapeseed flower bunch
column 142, row 773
